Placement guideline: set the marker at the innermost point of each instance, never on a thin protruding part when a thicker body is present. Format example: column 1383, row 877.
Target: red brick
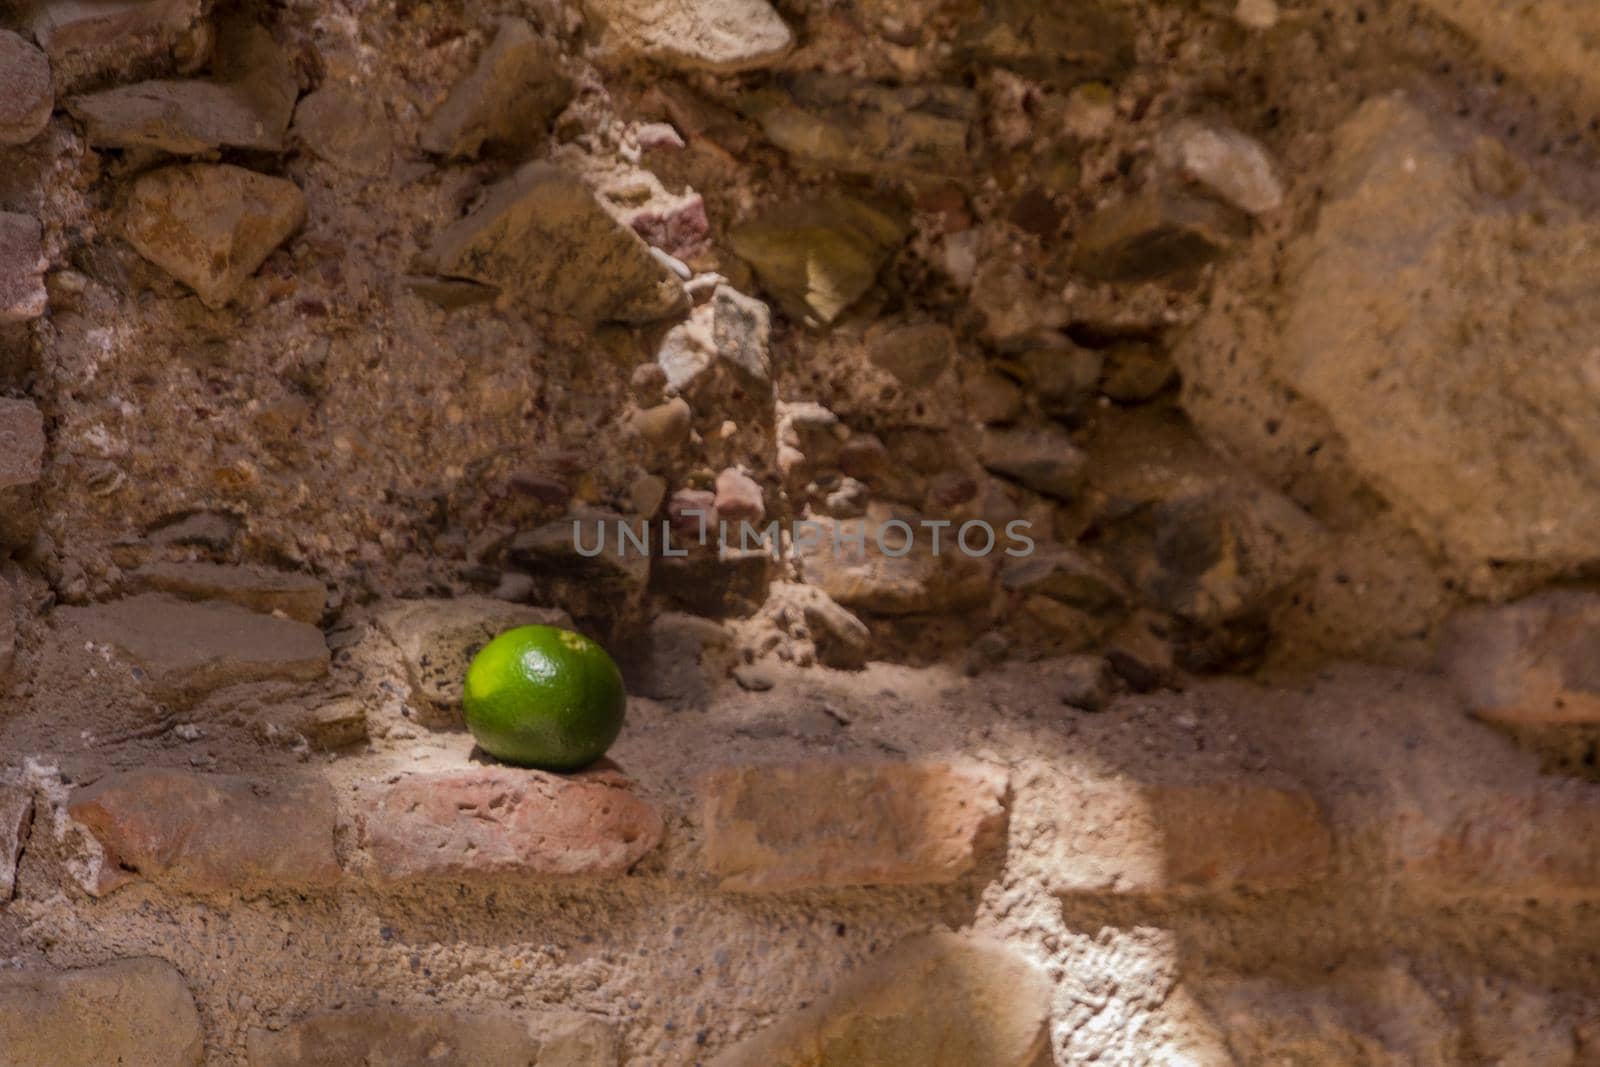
column 1535, row 842
column 770, row 829
column 502, row 822
column 1145, row 838
column 205, row 833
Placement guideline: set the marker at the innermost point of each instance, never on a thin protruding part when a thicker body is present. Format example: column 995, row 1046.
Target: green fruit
column 541, row 696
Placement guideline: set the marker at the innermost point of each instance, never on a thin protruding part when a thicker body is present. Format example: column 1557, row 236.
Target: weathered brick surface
column 1144, row 838
column 298, row 596
column 189, row 649
column 205, row 833
column 136, row 1012
column 503, row 822
column 1534, row 662
column 1539, row 841
column 813, row 825
column 423, row 1036
column 942, row 1000
column 16, row 816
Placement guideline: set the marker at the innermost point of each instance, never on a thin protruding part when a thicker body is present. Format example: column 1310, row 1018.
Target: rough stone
column 1517, row 844
column 1135, row 372
column 739, row 497
column 1224, row 553
column 828, row 825
column 848, row 563
column 16, row 816
column 297, row 596
column 741, row 330
column 860, row 127
column 346, row 129
column 208, row 833
column 940, row 1000
column 543, row 239
column 507, row 101
column 819, row 257
column 842, row 640
column 1530, row 663
column 1213, row 837
column 502, row 823
column 211, row 225
column 1231, row 164
column 1156, row 234
column 438, row 638
column 1427, row 403
column 678, row 659
column 1084, row 682
column 1080, row 41
column 1043, row 458
column 26, row 96
column 323, row 727
column 186, row 650
column 602, row 585
column 718, row 35
column 246, row 106
column 21, row 443
column 664, row 426
column 22, row 267
column 382, row 1035
column 1553, row 45
column 8, row 633
column 76, row 33
column 135, row 1011
column 915, row 355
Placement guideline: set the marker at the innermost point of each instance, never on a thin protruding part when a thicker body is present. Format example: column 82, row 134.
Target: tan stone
column 941, row 1000
column 208, row 833
column 504, row 823
column 26, row 96
column 1532, row 843
column 298, row 596
column 845, row 559
column 1533, row 662
column 382, row 1035
column 16, row 816
column 136, row 1011
column 189, row 649
column 1146, row 838
column 720, row 35
column 211, row 225
column 513, row 92
column 22, row 267
column 324, row 727
column 819, row 257
column 543, row 239
column 438, row 638
column 1043, row 458
column 824, row 825
column 1156, row 233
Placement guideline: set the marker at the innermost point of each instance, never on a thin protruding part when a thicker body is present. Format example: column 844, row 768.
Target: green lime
column 541, row 696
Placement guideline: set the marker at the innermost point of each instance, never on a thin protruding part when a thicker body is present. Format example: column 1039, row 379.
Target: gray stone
column 1230, row 164
column 507, row 101
column 186, row 650
column 136, row 1011
column 718, row 35
column 22, row 267
column 438, row 638
column 916, row 355
column 677, row 659
column 211, row 225
column 940, row 1000
column 860, row 127
column 384, row 1035
column 819, row 257
column 16, row 817
column 1066, row 575
column 741, row 328
column 848, row 563
column 26, row 96
column 1043, row 458
column 543, row 239
column 247, row 105
column 297, row 596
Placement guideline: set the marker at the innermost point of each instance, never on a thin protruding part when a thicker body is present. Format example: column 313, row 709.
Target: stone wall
column 329, row 333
